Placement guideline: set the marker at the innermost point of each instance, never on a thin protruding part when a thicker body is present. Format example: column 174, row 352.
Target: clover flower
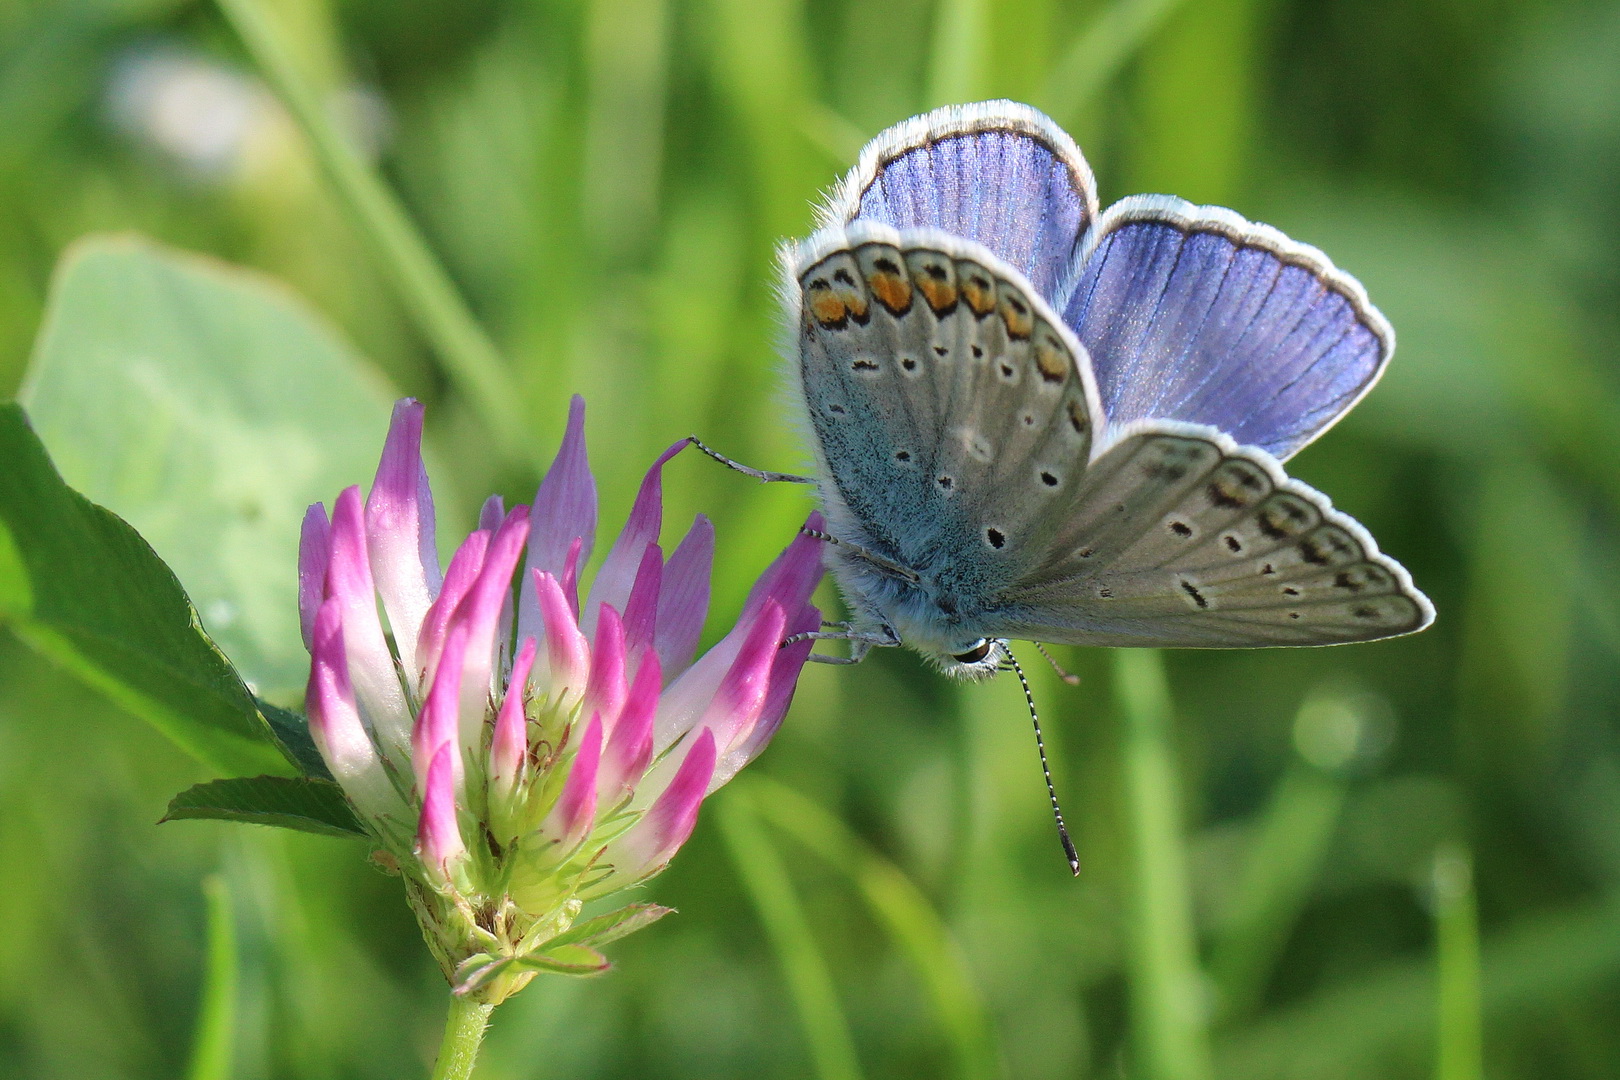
column 518, row 751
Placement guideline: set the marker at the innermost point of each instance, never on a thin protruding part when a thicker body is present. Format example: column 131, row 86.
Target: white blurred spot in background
column 212, row 120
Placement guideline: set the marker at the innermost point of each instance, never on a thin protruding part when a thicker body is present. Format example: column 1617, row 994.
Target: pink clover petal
column 606, row 689
column 314, row 552
column 787, row 582
column 480, row 611
column 653, row 840
column 790, row 661
column 570, row 821
column 689, row 695
column 740, row 697
column 438, row 722
column 371, row 664
column 728, row 701
column 438, row 836
column 567, row 658
column 629, row 751
column 492, row 513
column 459, row 579
column 641, row 610
column 564, row 509
column 334, row 721
column 509, row 745
column 794, row 574
column 400, row 530
column 683, row 598
column 614, row 579
column 570, row 576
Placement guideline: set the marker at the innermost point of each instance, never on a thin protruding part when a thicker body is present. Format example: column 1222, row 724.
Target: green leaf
column 316, row 806
column 565, row 960
column 291, row 732
column 91, row 595
column 477, row 971
column 209, row 407
column 612, row 926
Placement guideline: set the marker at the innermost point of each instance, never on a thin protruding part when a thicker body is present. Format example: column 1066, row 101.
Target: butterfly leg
column 861, row 642
column 758, row 474
column 872, row 557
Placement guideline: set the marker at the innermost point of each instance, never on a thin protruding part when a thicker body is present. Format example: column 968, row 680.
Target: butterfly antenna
column 1062, row 672
column 1046, row 771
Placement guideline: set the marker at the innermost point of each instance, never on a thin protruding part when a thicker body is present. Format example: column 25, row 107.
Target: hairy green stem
column 429, row 297
column 463, row 1034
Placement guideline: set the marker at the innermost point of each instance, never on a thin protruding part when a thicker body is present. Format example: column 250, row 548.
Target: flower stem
column 463, row 1034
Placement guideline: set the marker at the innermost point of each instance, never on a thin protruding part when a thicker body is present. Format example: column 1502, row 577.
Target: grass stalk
column 1168, row 1026
column 904, row 912
column 1099, row 53
column 1459, row 1054
column 213, row 1045
column 809, row 982
column 427, row 294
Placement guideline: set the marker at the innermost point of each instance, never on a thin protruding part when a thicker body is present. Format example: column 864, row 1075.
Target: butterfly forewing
column 949, row 405
column 1179, row 537
column 998, row 173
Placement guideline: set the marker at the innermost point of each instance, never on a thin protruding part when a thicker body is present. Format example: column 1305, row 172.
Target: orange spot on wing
column 892, row 290
column 826, row 306
column 1019, row 319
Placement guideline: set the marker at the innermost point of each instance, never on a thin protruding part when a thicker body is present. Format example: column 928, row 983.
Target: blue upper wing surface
column 997, row 173
column 1192, row 313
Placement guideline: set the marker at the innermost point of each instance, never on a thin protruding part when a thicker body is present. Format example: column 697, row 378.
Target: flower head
column 515, row 749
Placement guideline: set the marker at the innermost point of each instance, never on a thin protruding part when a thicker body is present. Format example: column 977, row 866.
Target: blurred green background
column 605, row 181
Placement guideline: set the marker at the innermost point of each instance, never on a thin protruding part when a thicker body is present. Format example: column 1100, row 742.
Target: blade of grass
column 213, row 1042
column 902, row 910
column 1099, row 53
column 1166, row 993
column 426, row 291
column 1292, row 839
column 809, row 982
column 1459, row 1054
column 1294, row 832
column 958, row 61
column 1532, row 970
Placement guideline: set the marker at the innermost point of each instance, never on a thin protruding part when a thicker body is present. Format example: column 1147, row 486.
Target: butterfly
column 1034, row 419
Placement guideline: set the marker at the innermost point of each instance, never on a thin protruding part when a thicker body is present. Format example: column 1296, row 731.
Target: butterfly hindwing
column 951, row 408
column 998, row 173
column 1178, row 537
column 1192, row 313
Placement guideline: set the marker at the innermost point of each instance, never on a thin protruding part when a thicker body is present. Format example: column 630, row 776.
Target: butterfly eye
column 973, row 655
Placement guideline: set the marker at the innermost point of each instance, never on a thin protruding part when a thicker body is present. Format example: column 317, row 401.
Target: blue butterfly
column 1040, row 420
column 1037, row 420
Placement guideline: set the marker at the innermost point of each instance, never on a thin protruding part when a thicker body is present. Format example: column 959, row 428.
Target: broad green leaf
column 207, row 406
column 92, row 595
column 291, row 731
column 315, row 806
column 612, row 926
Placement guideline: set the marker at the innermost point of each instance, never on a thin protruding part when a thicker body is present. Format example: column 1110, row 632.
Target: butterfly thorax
column 932, row 615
